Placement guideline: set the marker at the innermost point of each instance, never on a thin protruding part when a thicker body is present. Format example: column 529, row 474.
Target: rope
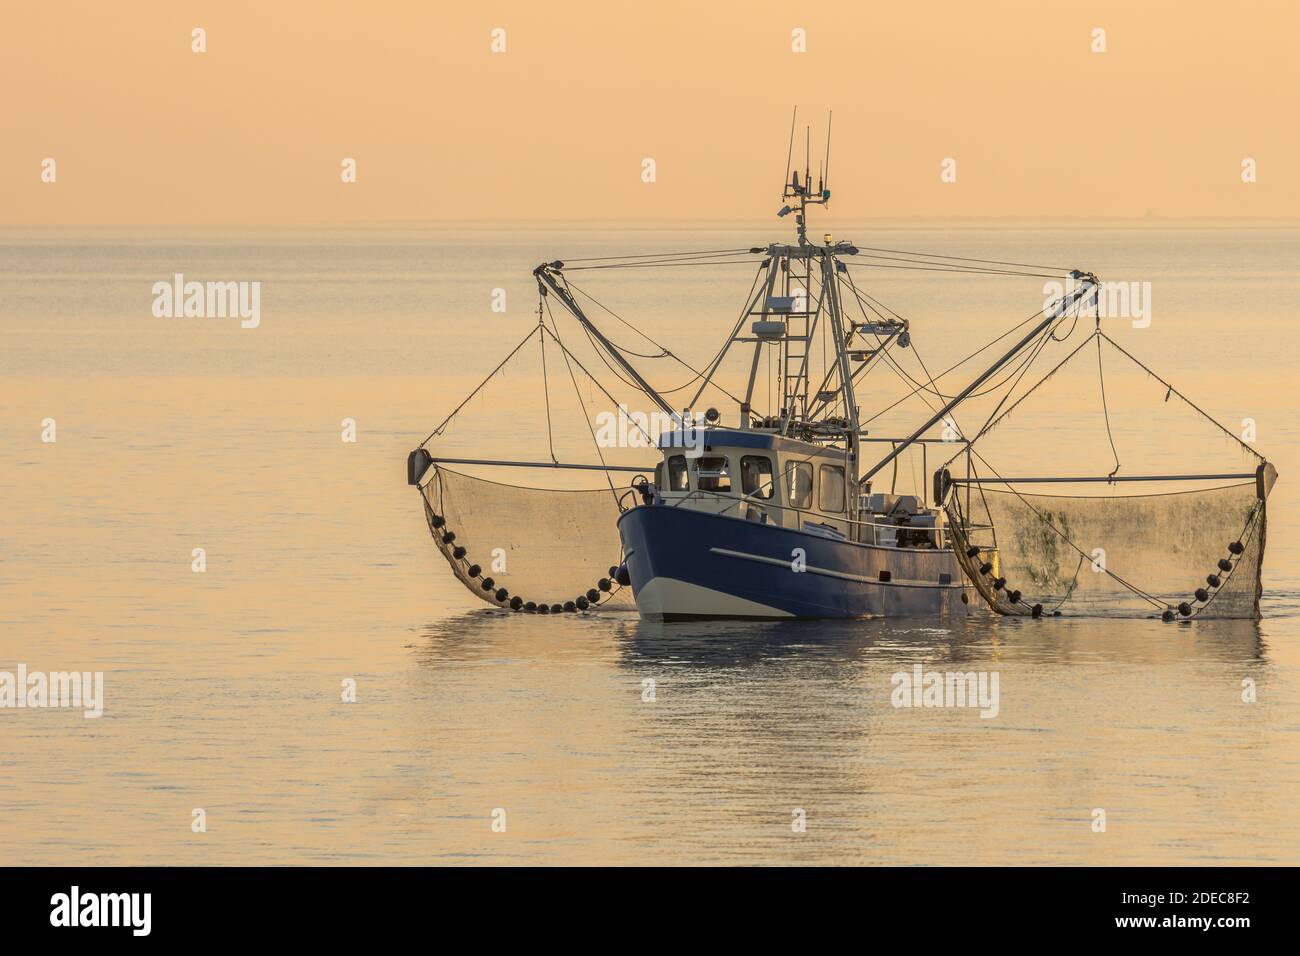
column 665, row 265
column 932, row 386
column 664, row 350
column 655, row 255
column 989, row 426
column 932, row 255
column 1037, row 349
column 577, row 391
column 1105, row 410
column 471, row 395
column 595, row 381
column 546, row 388
column 961, row 270
column 1187, row 401
column 1156, row 494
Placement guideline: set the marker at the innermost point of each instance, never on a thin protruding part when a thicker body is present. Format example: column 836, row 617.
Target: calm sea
column 223, row 688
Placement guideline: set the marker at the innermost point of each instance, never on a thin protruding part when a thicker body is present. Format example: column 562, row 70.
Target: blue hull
column 687, row 564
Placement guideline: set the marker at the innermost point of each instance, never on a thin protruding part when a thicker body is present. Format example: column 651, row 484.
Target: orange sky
column 254, row 130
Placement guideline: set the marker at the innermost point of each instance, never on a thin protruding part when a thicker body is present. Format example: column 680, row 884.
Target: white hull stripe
column 661, row 595
column 842, row 575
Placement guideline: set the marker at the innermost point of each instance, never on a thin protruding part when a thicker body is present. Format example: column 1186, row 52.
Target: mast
column 773, row 305
column 831, row 291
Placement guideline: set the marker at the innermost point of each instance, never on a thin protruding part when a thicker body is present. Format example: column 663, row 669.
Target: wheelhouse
column 755, row 475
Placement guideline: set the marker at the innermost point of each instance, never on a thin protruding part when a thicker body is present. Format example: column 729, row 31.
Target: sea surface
column 223, row 689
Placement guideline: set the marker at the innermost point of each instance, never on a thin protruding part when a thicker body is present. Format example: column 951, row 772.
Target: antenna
column 800, row 195
column 789, row 153
column 830, row 114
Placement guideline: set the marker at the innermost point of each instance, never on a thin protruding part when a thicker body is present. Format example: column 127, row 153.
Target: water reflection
column 625, row 638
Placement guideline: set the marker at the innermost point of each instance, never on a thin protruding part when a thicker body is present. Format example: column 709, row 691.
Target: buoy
column 985, row 568
column 1036, row 611
column 530, row 606
column 593, row 595
column 999, row 583
column 543, row 609
column 557, row 608
column 1014, row 597
column 437, row 521
column 516, row 603
column 502, row 594
column 473, row 570
column 622, row 576
column 1213, row 580
column 582, row 603
column 448, row 537
column 458, row 552
column 1225, row 565
column 1167, row 616
column 488, row 584
column 1202, row 594
column 1185, row 609
column 613, row 571
column 603, row 584
column 570, row 606
column 1236, row 547
column 972, row 551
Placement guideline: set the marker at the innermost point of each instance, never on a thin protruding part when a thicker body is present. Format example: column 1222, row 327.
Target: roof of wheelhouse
column 719, row 438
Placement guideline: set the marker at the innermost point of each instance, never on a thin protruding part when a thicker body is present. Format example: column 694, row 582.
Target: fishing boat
column 789, row 508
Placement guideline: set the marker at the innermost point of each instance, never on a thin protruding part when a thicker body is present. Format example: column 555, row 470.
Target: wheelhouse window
column 798, row 484
column 712, row 473
column 677, row 480
column 832, row 488
column 756, row 476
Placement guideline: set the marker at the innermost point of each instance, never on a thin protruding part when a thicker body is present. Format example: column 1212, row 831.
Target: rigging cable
column 546, row 388
column 933, row 255
column 958, row 270
column 932, row 388
column 657, row 255
column 990, row 425
column 666, row 352
column 578, row 392
column 1187, row 401
column 471, row 395
column 1037, row 349
column 924, row 387
column 1105, row 409
column 595, row 381
column 669, row 264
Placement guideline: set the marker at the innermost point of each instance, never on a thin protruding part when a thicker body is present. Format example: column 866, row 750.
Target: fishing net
column 552, row 549
column 1192, row 553
column 1192, row 549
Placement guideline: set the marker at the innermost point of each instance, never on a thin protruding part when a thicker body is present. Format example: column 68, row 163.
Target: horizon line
column 624, row 222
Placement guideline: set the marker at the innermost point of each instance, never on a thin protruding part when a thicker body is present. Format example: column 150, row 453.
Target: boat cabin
column 756, row 475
